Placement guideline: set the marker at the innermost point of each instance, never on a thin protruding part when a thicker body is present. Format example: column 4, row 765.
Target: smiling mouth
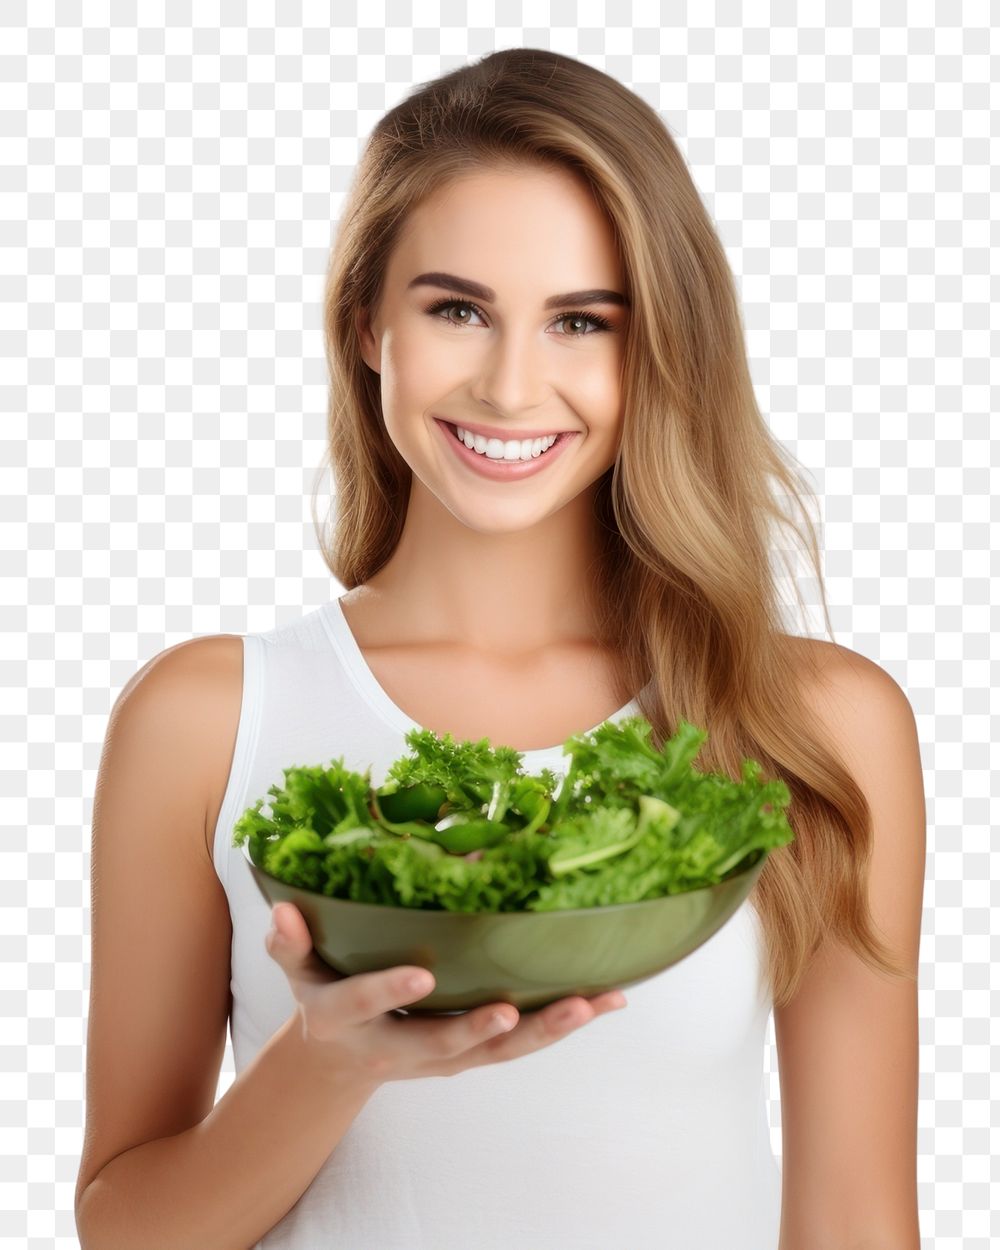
column 557, row 437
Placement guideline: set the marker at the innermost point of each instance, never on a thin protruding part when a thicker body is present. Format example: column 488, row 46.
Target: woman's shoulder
column 193, row 691
column 848, row 694
column 211, row 655
column 822, row 665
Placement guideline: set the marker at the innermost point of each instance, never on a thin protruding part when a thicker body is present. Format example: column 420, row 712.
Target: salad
column 458, row 826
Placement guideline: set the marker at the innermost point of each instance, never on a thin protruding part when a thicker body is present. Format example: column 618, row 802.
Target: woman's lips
column 503, row 470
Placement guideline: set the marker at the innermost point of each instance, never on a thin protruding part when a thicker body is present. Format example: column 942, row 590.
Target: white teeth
column 496, row 449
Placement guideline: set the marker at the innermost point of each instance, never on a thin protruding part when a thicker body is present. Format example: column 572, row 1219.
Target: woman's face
column 504, row 359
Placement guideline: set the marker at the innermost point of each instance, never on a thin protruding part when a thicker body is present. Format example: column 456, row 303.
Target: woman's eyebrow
column 463, row 286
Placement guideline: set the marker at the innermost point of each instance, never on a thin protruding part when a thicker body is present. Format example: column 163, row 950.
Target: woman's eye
column 446, row 306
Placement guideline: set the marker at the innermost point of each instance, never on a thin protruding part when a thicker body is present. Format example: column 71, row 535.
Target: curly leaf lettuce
column 458, row 826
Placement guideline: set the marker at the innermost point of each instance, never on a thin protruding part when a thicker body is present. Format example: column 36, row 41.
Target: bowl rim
column 760, row 854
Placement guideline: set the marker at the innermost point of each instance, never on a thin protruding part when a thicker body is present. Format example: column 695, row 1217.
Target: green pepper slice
column 418, row 802
column 466, row 834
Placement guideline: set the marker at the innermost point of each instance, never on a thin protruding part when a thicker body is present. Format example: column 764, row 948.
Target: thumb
column 290, row 944
column 289, row 932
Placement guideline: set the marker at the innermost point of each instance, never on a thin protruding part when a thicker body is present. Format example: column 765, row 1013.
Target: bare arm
column 217, row 1184
column 848, row 1042
column 162, row 1166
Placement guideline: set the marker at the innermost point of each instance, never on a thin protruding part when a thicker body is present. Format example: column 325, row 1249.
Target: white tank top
column 645, row 1128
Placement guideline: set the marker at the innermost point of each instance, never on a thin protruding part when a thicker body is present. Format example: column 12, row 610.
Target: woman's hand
column 347, row 1019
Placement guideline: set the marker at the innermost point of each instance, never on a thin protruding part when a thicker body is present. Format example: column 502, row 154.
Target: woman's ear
column 366, row 339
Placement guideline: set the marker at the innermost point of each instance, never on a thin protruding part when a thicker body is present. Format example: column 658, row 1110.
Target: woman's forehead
column 556, row 238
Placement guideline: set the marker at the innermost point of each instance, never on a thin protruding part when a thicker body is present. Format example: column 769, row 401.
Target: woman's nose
column 514, row 375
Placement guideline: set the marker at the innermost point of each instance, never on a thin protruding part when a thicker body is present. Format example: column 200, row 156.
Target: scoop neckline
column 374, row 694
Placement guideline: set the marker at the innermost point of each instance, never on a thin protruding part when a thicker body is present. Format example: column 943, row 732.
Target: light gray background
column 168, row 201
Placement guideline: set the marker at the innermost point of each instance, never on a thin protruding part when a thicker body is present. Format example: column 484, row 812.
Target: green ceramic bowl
column 526, row 958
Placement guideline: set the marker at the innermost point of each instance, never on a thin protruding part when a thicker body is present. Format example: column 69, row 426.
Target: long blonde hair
column 687, row 514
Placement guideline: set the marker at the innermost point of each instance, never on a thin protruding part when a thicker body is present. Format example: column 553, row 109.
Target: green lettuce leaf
column 623, row 823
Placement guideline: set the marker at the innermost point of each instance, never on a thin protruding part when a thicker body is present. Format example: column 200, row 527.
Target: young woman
column 555, row 505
